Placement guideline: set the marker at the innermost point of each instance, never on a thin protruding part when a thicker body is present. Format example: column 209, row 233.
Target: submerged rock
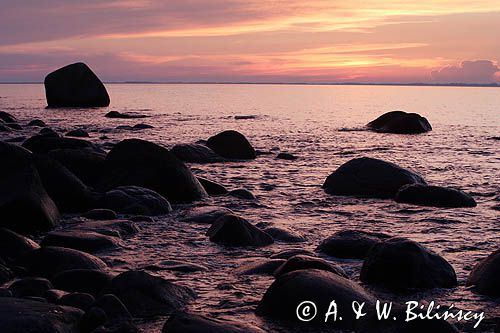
column 284, row 235
column 286, row 156
column 37, row 123
column 195, row 153
column 87, row 241
column 400, row 122
column 124, row 115
column 242, row 193
column 350, row 244
column 233, row 230
column 484, row 276
column 135, row 200
column 434, row 196
column 369, row 177
column 205, row 214
column 90, row 281
column 231, row 144
column 75, row 85
column 400, row 263
column 78, row 133
column 260, row 266
column 191, row 323
column 211, row 187
column 299, row 262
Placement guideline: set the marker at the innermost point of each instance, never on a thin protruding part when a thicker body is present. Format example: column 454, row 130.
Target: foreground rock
column 484, row 276
column 75, row 85
column 22, row 315
column 86, row 241
column 350, row 244
column 400, row 263
column 146, row 295
column 14, row 245
column 232, row 145
column 90, row 281
column 299, row 262
column 191, row 323
column 235, row 231
column 400, row 122
column 370, row 177
column 195, row 153
column 321, row 287
column 434, row 196
column 142, row 163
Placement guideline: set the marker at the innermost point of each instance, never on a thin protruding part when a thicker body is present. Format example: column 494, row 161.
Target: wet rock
column 243, row 117
column 195, row 153
column 285, row 254
column 177, row 266
column 146, row 295
column 116, row 228
column 78, row 133
column 142, row 126
column 233, row 230
column 100, row 214
column 135, row 200
column 145, row 164
column 7, row 117
column 90, row 281
column 48, row 261
column 369, row 177
column 75, row 85
column 113, row 307
column 284, row 235
column 231, row 144
column 191, row 323
column 205, row 214
column 81, row 301
column 86, row 241
column 400, row 263
column 321, row 287
column 87, row 163
column 286, row 156
column 211, row 187
column 30, row 286
column 37, row 123
column 48, row 132
column 14, row 126
column 45, row 143
column 484, row 276
column 350, row 244
column 260, row 266
column 14, row 245
column 242, row 193
column 22, row 315
column 298, row 262
column 400, row 122
column 434, row 196
column 124, row 115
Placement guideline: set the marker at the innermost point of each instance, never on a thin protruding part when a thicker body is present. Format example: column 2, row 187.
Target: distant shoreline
column 490, row 85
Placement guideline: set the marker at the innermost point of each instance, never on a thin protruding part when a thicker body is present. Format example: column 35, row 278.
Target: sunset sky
column 400, row 41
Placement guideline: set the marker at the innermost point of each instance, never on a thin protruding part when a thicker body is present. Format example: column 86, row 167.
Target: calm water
column 319, row 124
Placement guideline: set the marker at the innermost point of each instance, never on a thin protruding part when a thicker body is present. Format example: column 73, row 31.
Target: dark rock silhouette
column 350, row 244
column 124, row 115
column 142, row 126
column 484, row 276
column 286, row 254
column 100, row 214
column 191, row 323
column 301, row 261
column 231, row 144
column 142, row 163
column 37, row 123
column 46, row 143
column 30, row 287
column 195, row 153
column 242, row 193
column 211, row 187
column 135, row 200
column 78, row 133
column 286, row 156
column 260, row 267
column 87, row 163
column 14, row 245
column 86, row 241
column 284, row 235
column 82, row 301
column 400, row 263
column 75, row 85
column 235, row 231
column 434, row 196
column 400, row 122
column 369, row 177
column 90, row 281
column 7, row 118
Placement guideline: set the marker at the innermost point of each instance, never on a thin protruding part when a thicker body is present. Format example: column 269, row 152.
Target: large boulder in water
column 195, row 153
column 135, row 200
column 301, row 261
column 75, row 85
column 186, row 322
column 350, row 244
column 288, row 291
column 146, row 295
column 400, row 122
column 434, row 196
column 23, row 315
column 369, row 177
column 233, row 230
column 400, row 263
column 142, row 163
column 484, row 276
column 232, row 144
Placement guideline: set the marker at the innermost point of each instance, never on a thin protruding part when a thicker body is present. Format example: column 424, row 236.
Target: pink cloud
column 478, row 71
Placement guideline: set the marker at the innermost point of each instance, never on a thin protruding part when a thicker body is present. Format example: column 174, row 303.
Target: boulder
column 124, row 115
column 77, row 300
column 260, row 267
column 135, row 200
column 232, row 145
column 7, row 118
column 205, row 214
column 191, row 323
column 299, row 262
column 233, row 230
column 369, row 177
column 484, row 276
column 100, row 214
column 142, row 163
column 211, row 187
column 14, row 245
column 242, row 193
column 78, row 133
column 350, row 244
column 90, row 281
column 113, row 307
column 14, row 126
column 86, row 241
column 37, row 123
column 117, row 228
column 286, row 156
column 50, row 260
column 284, row 235
column 146, row 295
column 87, row 163
column 434, row 196
column 4, row 128
column 141, row 126
column 44, row 143
column 75, row 85
column 400, row 263
column 195, row 153
column 285, row 254
column 30, row 286
column 288, row 291
column 23, row 315
column 48, row 132
column 400, row 122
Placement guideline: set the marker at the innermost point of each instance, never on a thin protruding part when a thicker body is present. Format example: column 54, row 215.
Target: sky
column 313, row 41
